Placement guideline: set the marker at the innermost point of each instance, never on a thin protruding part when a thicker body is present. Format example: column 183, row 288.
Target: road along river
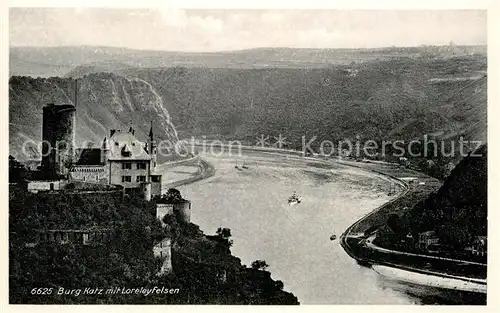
column 294, row 240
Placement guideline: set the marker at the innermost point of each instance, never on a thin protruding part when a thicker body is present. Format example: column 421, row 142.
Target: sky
column 221, row 30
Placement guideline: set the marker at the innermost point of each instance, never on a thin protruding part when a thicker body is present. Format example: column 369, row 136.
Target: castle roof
column 89, row 156
column 124, row 146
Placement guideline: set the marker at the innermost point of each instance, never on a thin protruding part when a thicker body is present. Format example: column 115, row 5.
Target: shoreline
column 403, row 272
column 433, row 279
column 206, row 170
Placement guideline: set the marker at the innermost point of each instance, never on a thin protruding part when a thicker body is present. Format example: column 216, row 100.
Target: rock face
column 104, row 101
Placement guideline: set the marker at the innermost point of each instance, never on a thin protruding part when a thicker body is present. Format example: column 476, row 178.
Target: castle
column 122, row 164
column 120, row 160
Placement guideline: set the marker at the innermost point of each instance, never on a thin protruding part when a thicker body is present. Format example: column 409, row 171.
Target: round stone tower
column 58, row 135
column 183, row 211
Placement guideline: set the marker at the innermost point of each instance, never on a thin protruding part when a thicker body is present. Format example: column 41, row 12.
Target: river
column 295, row 240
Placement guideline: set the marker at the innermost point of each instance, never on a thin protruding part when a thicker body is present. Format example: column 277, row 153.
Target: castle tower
column 58, row 135
column 152, row 148
column 105, row 151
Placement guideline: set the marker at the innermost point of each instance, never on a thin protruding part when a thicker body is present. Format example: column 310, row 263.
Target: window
column 85, row 238
column 127, row 166
column 126, row 179
column 141, row 166
column 155, row 178
column 141, row 179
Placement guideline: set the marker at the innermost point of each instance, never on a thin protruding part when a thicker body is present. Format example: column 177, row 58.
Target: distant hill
column 105, row 101
column 396, row 99
column 400, row 98
column 60, row 61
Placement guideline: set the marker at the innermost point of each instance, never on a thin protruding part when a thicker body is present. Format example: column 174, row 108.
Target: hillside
column 398, row 99
column 383, row 97
column 105, row 101
column 126, row 258
column 59, row 61
column 458, row 210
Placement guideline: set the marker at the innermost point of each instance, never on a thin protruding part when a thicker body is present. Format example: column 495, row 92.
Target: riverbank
column 211, row 258
column 425, row 270
column 431, row 280
column 252, row 202
column 409, row 187
column 180, row 173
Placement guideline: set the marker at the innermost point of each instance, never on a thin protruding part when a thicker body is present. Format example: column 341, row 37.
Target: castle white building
column 121, row 160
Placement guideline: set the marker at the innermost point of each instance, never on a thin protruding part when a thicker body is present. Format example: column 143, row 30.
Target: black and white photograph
column 162, row 155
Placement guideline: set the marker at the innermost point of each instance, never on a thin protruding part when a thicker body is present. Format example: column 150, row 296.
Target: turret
column 104, row 151
column 152, row 148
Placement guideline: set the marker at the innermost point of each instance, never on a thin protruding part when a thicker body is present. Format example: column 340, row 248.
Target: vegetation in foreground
column 204, row 271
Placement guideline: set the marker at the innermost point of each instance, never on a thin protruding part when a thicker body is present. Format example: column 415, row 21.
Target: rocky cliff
column 104, row 101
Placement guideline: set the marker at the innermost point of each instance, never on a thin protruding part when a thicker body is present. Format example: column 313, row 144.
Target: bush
column 259, row 265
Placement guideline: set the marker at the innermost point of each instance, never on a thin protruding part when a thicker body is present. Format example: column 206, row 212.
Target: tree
column 394, row 223
column 259, row 265
column 171, row 196
column 17, row 171
column 224, row 233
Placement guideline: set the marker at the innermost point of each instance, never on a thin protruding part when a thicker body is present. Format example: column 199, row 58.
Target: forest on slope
column 457, row 212
column 126, row 259
column 398, row 99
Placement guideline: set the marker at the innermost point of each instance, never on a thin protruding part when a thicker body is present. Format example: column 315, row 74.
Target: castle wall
column 181, row 210
column 76, row 236
column 35, row 186
column 164, row 250
column 163, row 209
column 146, row 187
column 156, row 186
column 90, row 173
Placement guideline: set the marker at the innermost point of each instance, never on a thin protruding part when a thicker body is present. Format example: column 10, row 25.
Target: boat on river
column 294, row 199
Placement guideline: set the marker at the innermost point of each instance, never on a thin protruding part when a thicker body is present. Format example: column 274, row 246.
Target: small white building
column 426, row 239
column 44, row 185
